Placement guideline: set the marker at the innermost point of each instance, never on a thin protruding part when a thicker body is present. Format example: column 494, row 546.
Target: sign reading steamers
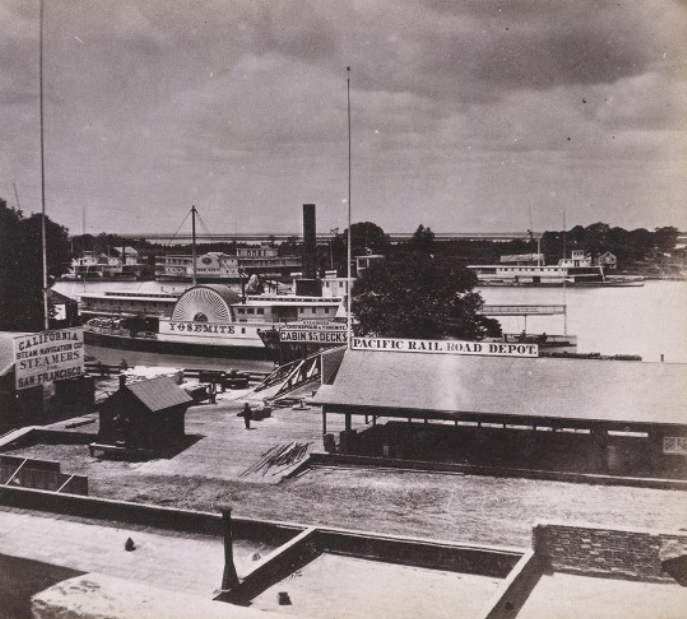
column 446, row 347
column 50, row 355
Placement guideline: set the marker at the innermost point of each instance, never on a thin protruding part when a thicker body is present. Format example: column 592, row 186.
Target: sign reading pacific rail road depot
column 50, row 355
column 446, row 347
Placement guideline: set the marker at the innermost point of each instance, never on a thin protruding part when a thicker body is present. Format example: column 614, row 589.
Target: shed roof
column 550, row 388
column 159, row 394
column 7, row 349
column 58, row 297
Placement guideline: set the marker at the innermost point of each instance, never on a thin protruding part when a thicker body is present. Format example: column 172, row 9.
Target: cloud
column 459, row 107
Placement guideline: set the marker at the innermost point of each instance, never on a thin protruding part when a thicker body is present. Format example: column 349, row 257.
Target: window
column 675, row 445
column 260, row 310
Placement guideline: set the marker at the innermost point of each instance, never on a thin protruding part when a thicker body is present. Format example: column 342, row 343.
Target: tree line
column 631, row 247
column 21, row 266
column 421, row 289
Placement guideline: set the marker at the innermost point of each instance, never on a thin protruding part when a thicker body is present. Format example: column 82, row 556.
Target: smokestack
column 309, row 242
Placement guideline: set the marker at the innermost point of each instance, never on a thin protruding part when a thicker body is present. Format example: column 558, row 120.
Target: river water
column 649, row 321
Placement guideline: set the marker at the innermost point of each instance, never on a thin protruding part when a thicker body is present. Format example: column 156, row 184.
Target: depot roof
column 453, row 386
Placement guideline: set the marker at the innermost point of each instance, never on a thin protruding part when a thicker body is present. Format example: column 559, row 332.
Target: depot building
column 497, row 405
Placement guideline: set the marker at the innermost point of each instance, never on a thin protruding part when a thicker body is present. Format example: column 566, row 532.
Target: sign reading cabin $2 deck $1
column 47, row 356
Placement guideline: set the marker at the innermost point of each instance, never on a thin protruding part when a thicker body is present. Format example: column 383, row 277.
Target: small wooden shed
column 148, row 414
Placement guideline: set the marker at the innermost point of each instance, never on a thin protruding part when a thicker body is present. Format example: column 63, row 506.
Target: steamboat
column 529, row 270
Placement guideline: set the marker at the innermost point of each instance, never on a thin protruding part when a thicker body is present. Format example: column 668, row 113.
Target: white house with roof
column 608, row 260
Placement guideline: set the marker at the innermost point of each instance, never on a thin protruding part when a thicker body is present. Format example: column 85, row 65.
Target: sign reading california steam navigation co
column 50, row 355
column 446, row 347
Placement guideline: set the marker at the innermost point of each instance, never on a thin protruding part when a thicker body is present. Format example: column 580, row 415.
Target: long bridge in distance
column 281, row 237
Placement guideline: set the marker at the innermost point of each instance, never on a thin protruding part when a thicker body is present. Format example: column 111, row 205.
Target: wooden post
column 230, row 578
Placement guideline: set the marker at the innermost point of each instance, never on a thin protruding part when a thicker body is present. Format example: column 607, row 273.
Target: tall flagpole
column 193, row 244
column 46, row 313
column 349, row 331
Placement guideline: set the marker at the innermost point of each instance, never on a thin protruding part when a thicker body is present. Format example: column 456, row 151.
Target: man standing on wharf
column 247, row 415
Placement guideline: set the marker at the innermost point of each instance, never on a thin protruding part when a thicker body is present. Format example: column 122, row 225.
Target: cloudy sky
column 467, row 115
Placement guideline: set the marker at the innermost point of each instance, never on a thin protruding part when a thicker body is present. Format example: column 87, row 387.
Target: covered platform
column 623, row 417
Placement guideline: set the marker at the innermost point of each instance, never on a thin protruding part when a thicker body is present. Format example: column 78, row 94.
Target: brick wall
column 597, row 551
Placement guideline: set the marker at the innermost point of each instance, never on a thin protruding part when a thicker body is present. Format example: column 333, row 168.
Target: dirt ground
column 462, row 508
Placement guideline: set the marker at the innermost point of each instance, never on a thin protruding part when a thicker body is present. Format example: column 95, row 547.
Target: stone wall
column 628, row 554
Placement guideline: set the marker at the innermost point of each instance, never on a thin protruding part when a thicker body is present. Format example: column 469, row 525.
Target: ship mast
column 349, row 249
column 46, row 311
column 531, row 231
column 193, row 243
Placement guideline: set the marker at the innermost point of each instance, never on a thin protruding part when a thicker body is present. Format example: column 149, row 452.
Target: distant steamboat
column 577, row 270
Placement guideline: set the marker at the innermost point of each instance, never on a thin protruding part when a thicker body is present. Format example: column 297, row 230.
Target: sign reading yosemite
column 446, row 347
column 50, row 355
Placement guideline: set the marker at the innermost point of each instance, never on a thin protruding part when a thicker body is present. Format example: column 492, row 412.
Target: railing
column 118, row 311
column 107, row 369
column 522, row 310
column 41, row 475
column 293, row 375
column 118, row 331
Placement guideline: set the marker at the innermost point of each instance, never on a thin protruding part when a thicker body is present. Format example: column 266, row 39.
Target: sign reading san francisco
column 47, row 356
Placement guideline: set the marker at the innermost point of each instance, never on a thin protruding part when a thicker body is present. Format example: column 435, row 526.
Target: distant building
column 335, row 287
column 66, row 310
column 119, row 264
column 218, row 266
column 266, row 261
column 578, row 258
column 127, row 255
column 607, row 260
column 212, row 266
column 338, row 287
column 364, row 262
